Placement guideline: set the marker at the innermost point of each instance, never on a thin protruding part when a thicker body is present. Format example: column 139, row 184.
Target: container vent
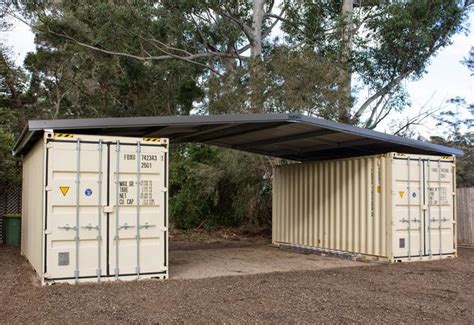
column 63, row 258
column 401, row 243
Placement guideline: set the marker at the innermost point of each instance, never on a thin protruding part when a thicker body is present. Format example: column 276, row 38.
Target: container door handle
column 67, row 227
column 146, row 226
column 90, row 227
column 125, row 226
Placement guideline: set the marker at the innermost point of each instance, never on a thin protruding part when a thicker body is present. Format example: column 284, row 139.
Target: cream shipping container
column 395, row 207
column 95, row 208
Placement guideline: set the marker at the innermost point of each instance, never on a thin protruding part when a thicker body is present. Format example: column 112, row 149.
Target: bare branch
column 152, row 39
column 245, row 28
column 268, row 30
column 394, row 82
column 204, row 40
column 188, row 58
column 374, row 111
column 133, row 56
column 419, row 118
column 381, row 92
column 277, row 17
column 382, row 115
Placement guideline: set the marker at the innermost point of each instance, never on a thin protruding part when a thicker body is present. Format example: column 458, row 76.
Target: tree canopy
column 342, row 60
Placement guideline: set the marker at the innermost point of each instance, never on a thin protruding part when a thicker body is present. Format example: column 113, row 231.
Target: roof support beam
column 188, row 137
column 351, row 152
column 236, row 130
column 288, row 138
column 133, row 132
column 151, row 131
column 318, row 148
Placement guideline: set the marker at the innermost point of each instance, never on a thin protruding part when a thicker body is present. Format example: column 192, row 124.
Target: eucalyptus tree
column 238, row 53
column 175, row 57
column 381, row 44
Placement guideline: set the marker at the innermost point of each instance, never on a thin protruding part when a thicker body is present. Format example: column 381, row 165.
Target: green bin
column 11, row 229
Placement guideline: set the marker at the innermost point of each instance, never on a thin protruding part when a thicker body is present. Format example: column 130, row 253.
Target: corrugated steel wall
column 333, row 205
column 32, row 209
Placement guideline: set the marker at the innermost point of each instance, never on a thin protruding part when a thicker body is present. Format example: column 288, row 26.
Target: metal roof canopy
column 289, row 136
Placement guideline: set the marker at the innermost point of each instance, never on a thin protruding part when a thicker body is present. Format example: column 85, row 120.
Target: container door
column 408, row 207
column 439, row 216
column 137, row 224
column 75, row 222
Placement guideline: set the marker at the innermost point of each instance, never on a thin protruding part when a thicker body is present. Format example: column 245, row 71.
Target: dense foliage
column 465, row 165
column 460, row 123
column 213, row 187
column 180, row 57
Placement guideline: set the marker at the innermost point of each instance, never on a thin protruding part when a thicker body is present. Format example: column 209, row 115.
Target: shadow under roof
column 289, row 136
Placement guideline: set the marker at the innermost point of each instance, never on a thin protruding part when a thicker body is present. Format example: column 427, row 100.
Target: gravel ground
column 429, row 292
column 258, row 258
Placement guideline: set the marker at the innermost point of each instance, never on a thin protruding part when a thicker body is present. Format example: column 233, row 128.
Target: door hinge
column 49, row 145
column 47, row 188
column 47, row 232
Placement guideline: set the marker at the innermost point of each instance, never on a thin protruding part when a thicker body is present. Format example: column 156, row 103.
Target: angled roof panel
column 289, row 136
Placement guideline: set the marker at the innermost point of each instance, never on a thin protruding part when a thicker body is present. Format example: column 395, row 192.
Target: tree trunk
column 255, row 63
column 257, row 86
column 346, row 84
column 257, row 20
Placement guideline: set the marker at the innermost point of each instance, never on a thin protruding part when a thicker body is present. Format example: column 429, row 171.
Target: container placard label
column 438, row 196
column 127, row 192
column 64, row 189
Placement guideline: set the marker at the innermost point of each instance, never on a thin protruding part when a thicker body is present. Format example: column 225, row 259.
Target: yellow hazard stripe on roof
column 151, row 139
column 64, row 135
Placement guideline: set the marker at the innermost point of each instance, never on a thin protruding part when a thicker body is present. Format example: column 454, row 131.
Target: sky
column 20, row 39
column 446, row 76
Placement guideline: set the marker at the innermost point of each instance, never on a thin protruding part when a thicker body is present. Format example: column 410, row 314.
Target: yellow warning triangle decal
column 64, row 189
column 401, row 193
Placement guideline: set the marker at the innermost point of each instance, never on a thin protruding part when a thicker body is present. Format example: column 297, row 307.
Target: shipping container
column 95, row 208
column 394, row 207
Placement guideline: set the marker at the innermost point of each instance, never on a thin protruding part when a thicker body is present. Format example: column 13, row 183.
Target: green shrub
column 213, row 187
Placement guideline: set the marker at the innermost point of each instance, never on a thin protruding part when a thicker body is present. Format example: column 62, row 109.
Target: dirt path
column 439, row 291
